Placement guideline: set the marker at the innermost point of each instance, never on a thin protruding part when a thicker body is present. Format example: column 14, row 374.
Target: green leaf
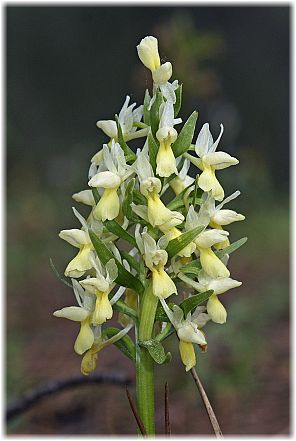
column 197, row 299
column 160, row 314
column 166, row 332
column 194, row 197
column 139, row 198
column 96, row 194
column 156, row 350
column 154, row 113
column 153, row 150
column 129, row 154
column 61, row 278
column 124, row 277
column 120, row 306
column 233, row 247
column 146, row 113
column 178, row 103
column 127, row 202
column 125, row 344
column 185, row 137
column 117, row 229
column 180, row 242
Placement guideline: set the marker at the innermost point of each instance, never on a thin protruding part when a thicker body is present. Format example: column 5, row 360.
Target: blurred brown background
column 67, row 67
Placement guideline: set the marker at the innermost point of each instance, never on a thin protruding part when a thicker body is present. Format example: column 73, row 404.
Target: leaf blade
column 183, row 142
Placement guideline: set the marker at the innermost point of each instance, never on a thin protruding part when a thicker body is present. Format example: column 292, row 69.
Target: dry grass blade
column 166, row 411
column 209, row 409
column 136, row 415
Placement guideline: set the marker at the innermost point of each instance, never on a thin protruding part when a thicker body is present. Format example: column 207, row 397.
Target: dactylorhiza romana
column 153, row 250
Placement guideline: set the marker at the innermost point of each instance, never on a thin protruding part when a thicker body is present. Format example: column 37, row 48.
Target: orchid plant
column 152, row 232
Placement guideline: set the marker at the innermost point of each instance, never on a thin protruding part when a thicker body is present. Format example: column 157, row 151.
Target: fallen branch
column 209, row 409
column 47, row 389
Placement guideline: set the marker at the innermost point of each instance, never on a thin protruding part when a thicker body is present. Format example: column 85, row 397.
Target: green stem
column 144, row 362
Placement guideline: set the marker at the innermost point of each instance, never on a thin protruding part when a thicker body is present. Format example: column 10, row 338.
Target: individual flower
column 155, row 259
column 161, row 73
column 79, row 239
column 89, row 361
column 110, row 179
column 204, row 241
column 209, row 161
column 128, row 119
column 188, row 332
column 215, row 309
column 82, row 314
column 101, row 286
column 166, row 135
column 158, row 214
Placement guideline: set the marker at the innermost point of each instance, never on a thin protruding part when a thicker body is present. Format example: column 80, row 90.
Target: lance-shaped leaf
column 96, row 194
column 129, row 154
column 160, row 314
column 127, row 202
column 197, row 299
column 153, row 150
column 117, row 229
column 120, row 306
column 125, row 344
column 124, row 278
column 193, row 268
column 233, row 247
column 146, row 113
column 178, row 103
column 156, row 350
column 178, row 201
column 154, row 113
column 176, row 245
column 183, row 142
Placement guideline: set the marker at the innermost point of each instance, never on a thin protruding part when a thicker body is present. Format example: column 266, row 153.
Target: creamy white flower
column 127, row 116
column 80, row 314
column 101, row 286
column 209, row 161
column 110, row 179
column 166, row 135
column 155, row 258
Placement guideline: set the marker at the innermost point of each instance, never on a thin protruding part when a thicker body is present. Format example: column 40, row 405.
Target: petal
column 222, row 285
column 75, row 237
column 85, row 197
column 74, row 313
column 204, row 141
column 212, row 264
column 166, row 161
column 219, row 160
column 216, row 310
column 148, row 52
column 105, row 179
column 162, row 74
column 187, row 354
column 108, row 206
column 84, row 339
column 226, row 217
column 81, row 263
column 103, row 310
column 208, row 238
column 109, row 128
column 163, row 286
column 189, row 333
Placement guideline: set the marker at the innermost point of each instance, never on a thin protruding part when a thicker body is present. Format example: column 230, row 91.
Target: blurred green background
column 66, row 68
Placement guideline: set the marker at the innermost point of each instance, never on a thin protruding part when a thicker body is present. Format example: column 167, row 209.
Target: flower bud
column 163, row 73
column 148, row 53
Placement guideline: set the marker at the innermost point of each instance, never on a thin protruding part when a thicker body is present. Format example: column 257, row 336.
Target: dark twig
column 166, row 411
column 136, row 415
column 45, row 390
column 207, row 404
